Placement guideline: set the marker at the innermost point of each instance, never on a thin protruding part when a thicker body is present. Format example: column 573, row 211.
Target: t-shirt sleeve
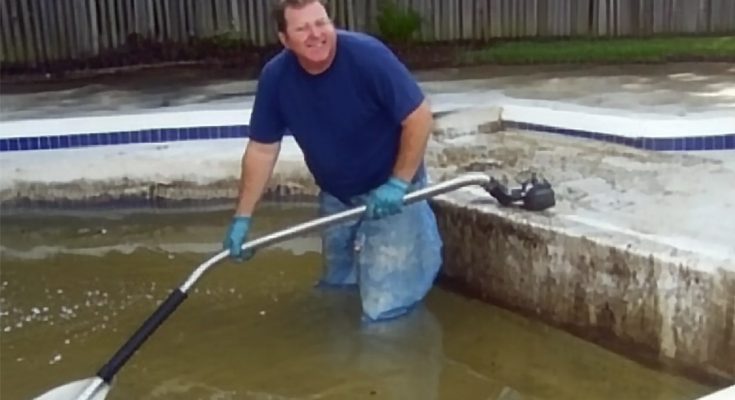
column 266, row 120
column 397, row 90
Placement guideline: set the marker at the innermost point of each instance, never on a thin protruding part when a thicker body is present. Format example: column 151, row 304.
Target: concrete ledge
column 125, row 193
column 724, row 394
column 143, row 174
column 654, row 310
column 468, row 122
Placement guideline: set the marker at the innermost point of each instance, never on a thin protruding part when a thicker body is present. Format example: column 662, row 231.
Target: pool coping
column 650, row 132
column 727, row 393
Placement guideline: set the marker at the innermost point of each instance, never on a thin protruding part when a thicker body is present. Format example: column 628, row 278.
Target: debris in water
column 509, row 394
column 59, row 291
column 7, row 329
column 19, row 359
column 56, row 359
column 36, row 310
column 262, row 312
column 67, row 341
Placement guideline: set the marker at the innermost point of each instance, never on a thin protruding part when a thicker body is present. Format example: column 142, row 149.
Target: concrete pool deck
column 638, row 253
column 682, row 89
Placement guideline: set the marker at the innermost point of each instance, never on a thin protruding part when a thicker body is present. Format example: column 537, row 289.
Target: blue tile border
column 51, row 142
column 693, row 143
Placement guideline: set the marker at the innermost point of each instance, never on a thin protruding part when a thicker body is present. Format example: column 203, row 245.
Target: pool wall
column 677, row 311
column 657, row 309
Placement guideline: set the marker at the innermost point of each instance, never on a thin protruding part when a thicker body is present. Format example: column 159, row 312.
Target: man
column 362, row 124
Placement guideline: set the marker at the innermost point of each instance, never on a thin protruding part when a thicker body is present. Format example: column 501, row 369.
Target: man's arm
column 258, row 162
column 417, row 128
column 401, row 97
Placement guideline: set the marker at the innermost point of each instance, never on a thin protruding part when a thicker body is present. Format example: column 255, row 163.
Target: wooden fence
column 38, row 31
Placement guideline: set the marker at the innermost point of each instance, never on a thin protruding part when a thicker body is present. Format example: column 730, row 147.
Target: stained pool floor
column 74, row 286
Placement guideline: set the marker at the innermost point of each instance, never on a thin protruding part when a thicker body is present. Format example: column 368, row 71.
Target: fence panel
column 15, row 25
column 39, row 31
column 728, row 17
column 28, row 35
column 60, row 24
column 8, row 49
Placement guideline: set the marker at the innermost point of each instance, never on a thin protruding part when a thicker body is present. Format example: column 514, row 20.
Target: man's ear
column 283, row 39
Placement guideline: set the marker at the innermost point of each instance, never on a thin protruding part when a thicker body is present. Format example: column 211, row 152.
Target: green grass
column 628, row 50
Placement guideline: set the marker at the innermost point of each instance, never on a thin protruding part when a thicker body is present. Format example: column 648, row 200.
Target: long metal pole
column 473, row 178
column 177, row 296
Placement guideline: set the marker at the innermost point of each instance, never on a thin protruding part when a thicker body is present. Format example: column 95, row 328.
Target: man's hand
column 235, row 238
column 257, row 165
column 387, row 199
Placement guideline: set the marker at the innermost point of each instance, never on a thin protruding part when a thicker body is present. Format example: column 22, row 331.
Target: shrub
column 396, row 24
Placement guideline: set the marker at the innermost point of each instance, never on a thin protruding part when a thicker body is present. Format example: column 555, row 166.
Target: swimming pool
column 76, row 284
column 598, row 277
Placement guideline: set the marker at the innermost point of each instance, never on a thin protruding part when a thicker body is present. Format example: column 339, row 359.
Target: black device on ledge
column 533, row 195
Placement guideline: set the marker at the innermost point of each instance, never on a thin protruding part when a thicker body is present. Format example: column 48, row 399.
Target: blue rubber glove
column 236, row 235
column 387, row 199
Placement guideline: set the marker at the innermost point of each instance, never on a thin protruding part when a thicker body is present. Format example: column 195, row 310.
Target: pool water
column 75, row 285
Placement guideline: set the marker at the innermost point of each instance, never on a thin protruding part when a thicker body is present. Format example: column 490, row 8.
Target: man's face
column 310, row 34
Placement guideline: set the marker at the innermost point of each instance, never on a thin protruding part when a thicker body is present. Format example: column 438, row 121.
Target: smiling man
column 362, row 124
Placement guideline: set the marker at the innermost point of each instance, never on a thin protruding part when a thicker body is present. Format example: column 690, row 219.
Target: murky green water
column 74, row 287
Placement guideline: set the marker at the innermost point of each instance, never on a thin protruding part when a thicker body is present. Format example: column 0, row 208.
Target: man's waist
column 348, row 189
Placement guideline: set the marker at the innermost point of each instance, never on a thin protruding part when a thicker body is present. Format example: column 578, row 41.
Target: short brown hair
column 279, row 10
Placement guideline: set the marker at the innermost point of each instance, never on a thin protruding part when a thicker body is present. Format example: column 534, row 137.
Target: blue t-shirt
column 346, row 120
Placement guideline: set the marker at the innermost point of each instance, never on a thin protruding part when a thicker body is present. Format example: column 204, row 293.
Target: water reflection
column 396, row 359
